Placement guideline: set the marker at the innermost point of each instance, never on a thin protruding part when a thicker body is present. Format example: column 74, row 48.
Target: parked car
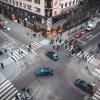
column 84, row 85
column 44, row 71
column 78, row 34
column 52, row 55
column 90, row 26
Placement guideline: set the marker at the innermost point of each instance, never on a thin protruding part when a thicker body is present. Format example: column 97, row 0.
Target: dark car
column 52, row 55
column 44, row 71
column 84, row 85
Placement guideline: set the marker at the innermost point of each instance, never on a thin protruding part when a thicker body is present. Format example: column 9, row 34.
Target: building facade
column 48, row 16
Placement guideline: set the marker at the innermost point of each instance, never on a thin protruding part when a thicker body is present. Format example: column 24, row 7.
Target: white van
column 90, row 26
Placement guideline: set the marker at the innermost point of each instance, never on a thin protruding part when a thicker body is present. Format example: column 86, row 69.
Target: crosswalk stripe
column 14, row 58
column 97, row 96
column 97, row 70
column 90, row 58
column 6, row 90
column 79, row 53
column 94, row 73
column 34, row 47
column 37, row 44
column 23, row 51
column 7, row 94
column 15, row 92
column 14, row 98
column 4, row 83
column 71, row 48
column 98, row 92
column 85, row 54
column 5, row 86
column 17, row 54
column 94, row 98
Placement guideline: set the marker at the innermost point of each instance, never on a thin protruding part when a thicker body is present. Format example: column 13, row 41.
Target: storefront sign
column 49, row 24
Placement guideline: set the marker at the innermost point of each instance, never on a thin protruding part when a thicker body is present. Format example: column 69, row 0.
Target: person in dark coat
column 2, row 65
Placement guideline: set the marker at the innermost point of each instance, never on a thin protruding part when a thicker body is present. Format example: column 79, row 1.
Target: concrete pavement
column 19, row 29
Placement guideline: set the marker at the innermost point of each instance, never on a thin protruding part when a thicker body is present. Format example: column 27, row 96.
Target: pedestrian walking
column 60, row 40
column 2, row 66
column 93, row 83
column 56, row 40
column 11, row 53
column 66, row 46
column 34, row 34
column 85, row 58
column 82, row 51
column 57, row 47
column 60, row 34
column 53, row 47
column 29, row 49
column 5, row 50
column 30, row 46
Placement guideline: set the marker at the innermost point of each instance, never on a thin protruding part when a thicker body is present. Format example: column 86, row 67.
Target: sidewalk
column 20, row 29
column 10, row 67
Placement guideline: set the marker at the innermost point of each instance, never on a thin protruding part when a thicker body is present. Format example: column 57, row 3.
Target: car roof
column 45, row 68
column 77, row 32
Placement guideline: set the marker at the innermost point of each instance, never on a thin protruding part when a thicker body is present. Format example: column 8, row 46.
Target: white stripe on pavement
column 94, row 98
column 24, row 51
column 7, row 94
column 13, row 94
column 17, row 54
column 98, row 92
column 36, row 43
column 3, row 92
column 5, row 86
column 97, row 70
column 4, row 83
column 14, row 58
column 90, row 58
column 97, row 96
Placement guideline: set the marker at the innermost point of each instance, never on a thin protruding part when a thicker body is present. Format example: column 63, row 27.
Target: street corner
column 4, row 39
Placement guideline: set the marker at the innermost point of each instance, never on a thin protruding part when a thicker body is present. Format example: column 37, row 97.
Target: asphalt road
column 57, row 87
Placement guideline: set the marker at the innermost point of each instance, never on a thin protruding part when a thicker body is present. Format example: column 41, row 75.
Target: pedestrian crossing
column 20, row 53
column 7, row 90
column 96, row 95
column 35, row 46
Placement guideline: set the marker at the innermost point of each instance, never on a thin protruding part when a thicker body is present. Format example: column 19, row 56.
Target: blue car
column 84, row 85
column 44, row 71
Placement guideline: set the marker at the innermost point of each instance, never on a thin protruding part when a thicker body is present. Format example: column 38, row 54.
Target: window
column 24, row 5
column 65, row 4
column 69, row 3
column 61, row 5
column 73, row 2
column 37, row 9
column 20, row 4
column 16, row 3
column 13, row 2
column 6, row 0
column 29, row 7
column 9, row 1
column 37, row 1
column 29, row 0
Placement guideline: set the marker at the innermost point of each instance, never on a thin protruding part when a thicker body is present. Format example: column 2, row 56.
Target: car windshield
column 82, row 82
column 55, row 55
column 44, row 69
